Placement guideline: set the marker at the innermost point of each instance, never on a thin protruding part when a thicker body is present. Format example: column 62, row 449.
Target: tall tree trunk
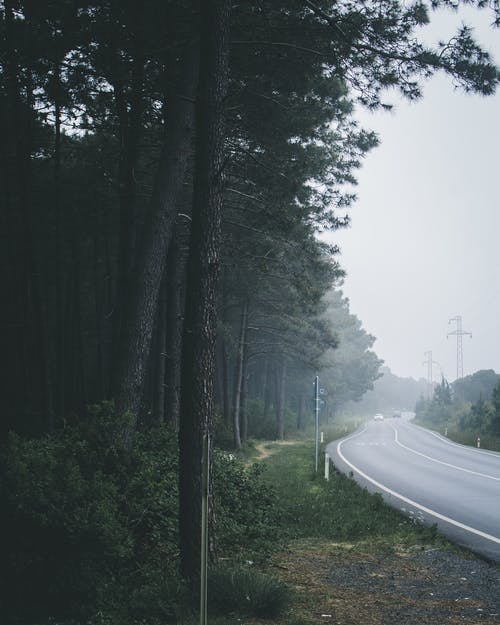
column 176, row 278
column 267, row 387
column 98, row 304
column 129, row 112
column 160, row 379
column 157, row 234
column 30, row 331
column 226, row 392
column 301, row 400
column 243, row 399
column 238, row 378
column 226, row 388
column 60, row 404
column 280, row 412
column 198, row 356
column 77, row 395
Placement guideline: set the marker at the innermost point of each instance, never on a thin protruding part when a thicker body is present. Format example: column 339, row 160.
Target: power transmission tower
column 429, row 362
column 459, row 333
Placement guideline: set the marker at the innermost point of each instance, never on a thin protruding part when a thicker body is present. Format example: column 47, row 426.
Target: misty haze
column 249, row 328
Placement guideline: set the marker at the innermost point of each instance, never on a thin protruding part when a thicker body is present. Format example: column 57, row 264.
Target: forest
column 168, row 169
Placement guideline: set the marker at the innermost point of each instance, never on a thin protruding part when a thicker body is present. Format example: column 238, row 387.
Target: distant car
column 378, row 417
column 396, row 414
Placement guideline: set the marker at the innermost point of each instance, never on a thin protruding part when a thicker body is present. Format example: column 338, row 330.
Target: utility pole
column 459, row 333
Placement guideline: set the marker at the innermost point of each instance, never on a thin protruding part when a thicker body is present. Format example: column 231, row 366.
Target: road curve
column 428, row 477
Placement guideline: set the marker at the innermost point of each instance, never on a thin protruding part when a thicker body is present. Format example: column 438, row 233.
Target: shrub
column 89, row 532
column 245, row 591
column 247, row 514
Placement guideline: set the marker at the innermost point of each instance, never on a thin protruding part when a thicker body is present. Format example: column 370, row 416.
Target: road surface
column 428, row 477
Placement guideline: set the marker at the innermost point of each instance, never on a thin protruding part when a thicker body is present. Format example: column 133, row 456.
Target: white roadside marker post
column 478, row 442
column 327, row 466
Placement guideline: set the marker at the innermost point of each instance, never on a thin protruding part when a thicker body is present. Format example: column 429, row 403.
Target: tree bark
column 60, row 404
column 243, row 399
column 29, row 342
column 176, row 277
column 199, row 340
column 160, row 378
column 280, row 411
column 226, row 392
column 267, row 388
column 157, row 234
column 129, row 112
column 238, row 378
column 300, row 410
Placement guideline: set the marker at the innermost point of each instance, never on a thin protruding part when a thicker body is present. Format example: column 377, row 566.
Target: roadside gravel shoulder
column 345, row 584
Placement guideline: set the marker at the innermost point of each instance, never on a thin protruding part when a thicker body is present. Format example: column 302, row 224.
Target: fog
column 423, row 245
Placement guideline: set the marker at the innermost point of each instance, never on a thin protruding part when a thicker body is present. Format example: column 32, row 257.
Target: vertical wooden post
column 205, row 491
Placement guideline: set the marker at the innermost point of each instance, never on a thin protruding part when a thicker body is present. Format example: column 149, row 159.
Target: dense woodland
column 166, row 168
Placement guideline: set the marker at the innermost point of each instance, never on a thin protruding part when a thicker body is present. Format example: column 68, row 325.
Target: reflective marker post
column 327, row 466
column 205, row 491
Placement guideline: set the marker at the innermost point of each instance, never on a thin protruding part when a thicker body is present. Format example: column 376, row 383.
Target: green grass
column 312, row 514
column 246, row 591
column 337, row 510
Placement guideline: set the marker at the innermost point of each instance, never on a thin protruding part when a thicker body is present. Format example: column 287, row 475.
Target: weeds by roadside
column 467, row 437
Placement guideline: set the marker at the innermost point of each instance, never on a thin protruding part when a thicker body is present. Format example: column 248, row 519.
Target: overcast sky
column 424, row 245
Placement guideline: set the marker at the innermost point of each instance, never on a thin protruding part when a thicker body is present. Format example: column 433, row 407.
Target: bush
column 245, row 591
column 247, row 515
column 89, row 533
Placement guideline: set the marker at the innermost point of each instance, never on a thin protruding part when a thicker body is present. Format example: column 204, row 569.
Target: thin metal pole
column 205, row 491
column 316, row 422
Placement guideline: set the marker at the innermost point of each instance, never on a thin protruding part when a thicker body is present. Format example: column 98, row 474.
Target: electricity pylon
column 459, row 333
column 429, row 362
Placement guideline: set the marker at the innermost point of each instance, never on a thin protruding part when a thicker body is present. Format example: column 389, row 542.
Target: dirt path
column 268, row 448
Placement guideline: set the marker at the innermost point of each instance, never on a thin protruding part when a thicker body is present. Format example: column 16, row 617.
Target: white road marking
column 446, row 464
column 447, row 440
column 433, row 513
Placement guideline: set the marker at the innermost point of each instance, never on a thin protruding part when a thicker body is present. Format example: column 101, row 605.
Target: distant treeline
column 468, row 404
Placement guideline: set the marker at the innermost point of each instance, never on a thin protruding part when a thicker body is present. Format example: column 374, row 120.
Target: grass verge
column 337, row 510
column 322, row 526
column 488, row 441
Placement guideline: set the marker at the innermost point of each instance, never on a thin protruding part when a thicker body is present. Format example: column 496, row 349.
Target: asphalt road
column 428, row 477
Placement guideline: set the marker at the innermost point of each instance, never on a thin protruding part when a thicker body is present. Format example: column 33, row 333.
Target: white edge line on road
column 433, row 513
column 447, row 440
column 446, row 464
